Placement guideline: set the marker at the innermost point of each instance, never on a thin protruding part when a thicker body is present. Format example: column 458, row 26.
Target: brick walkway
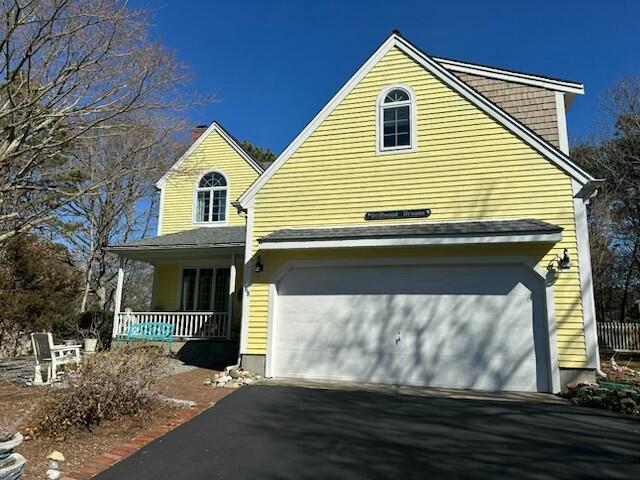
column 106, row 459
column 184, row 386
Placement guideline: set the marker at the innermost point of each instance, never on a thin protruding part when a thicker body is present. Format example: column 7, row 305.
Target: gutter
column 590, row 189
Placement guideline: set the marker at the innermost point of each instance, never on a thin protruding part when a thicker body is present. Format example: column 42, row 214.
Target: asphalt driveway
column 283, row 432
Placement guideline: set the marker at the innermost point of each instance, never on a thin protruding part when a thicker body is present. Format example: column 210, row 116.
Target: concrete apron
column 530, row 397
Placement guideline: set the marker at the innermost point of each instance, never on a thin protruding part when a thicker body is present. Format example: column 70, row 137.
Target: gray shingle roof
column 444, row 229
column 202, row 237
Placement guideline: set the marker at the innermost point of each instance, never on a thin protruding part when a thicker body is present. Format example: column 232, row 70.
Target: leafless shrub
column 106, row 386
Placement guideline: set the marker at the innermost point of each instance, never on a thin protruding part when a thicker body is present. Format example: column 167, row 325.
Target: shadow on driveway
column 287, row 433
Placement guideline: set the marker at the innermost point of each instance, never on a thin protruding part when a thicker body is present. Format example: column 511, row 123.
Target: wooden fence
column 619, row 336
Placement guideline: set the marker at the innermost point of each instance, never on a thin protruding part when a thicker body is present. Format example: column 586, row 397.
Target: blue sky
column 273, row 64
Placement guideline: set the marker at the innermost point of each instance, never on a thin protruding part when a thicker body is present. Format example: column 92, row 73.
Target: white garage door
column 448, row 326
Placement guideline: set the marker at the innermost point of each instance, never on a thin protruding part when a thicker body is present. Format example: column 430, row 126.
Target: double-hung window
column 396, row 124
column 211, row 199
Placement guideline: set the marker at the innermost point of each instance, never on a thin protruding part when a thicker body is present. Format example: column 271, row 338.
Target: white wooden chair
column 55, row 355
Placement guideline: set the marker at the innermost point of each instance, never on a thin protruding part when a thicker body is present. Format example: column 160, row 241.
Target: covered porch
column 197, row 283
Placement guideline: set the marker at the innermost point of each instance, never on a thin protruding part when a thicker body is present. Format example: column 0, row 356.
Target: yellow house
column 198, row 254
column 427, row 227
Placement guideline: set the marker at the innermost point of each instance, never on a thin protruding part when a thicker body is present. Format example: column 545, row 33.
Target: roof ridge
column 227, row 137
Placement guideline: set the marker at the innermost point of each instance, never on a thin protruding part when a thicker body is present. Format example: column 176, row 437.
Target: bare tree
column 72, row 73
column 615, row 213
column 121, row 209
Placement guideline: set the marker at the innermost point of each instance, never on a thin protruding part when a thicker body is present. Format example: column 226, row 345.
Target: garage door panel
column 331, row 323
column 441, row 279
column 375, row 321
column 443, row 371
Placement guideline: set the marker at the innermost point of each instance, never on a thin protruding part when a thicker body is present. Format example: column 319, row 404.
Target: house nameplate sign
column 398, row 214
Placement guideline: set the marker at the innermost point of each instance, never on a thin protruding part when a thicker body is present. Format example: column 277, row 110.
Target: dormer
column 199, row 188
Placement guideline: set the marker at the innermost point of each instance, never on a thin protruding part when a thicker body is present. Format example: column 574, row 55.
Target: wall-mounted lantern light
column 259, row 267
column 564, row 261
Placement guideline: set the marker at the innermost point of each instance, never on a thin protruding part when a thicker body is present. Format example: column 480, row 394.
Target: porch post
column 118, row 298
column 232, row 291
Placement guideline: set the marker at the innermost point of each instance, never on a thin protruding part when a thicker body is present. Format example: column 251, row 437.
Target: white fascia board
column 550, row 152
column 412, row 241
column 510, row 76
column 214, row 127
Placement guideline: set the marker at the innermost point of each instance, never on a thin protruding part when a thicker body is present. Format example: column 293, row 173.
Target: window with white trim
column 205, row 289
column 396, row 120
column 211, row 198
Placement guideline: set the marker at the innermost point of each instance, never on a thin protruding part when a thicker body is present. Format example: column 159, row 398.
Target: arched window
column 211, row 198
column 396, row 119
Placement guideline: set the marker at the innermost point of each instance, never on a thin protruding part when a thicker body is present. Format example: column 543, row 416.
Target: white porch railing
column 188, row 325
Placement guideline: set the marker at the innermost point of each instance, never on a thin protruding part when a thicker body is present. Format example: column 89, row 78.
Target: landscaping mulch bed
column 19, row 404
column 628, row 370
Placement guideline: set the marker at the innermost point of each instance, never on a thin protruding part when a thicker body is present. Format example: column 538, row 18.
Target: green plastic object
column 617, row 386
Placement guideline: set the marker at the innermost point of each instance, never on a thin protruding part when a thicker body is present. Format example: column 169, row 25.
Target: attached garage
column 460, row 326
column 467, row 322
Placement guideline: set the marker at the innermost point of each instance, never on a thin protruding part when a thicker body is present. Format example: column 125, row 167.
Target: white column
column 232, row 292
column 118, row 297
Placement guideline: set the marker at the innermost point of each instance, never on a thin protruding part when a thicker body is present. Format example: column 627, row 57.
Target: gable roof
column 230, row 139
column 395, row 40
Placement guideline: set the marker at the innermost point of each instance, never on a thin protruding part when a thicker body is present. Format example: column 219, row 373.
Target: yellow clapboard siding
column 166, row 279
column 214, row 153
column 466, row 166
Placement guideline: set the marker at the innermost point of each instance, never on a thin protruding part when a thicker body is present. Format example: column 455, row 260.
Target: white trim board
column 553, row 154
column 160, row 209
column 214, row 127
column 410, row 241
column 511, row 76
column 246, row 279
column 586, row 282
column 561, row 114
